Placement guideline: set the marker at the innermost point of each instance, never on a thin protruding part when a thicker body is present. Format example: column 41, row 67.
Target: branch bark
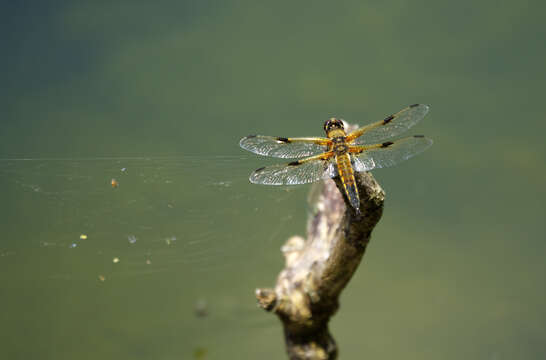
column 317, row 269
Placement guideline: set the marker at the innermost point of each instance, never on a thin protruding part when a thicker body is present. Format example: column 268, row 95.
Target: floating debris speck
column 83, row 237
column 114, row 183
column 222, row 183
column 115, row 260
column 199, row 353
column 201, row 308
column 123, row 169
column 132, row 239
column 102, row 278
column 170, row 240
column 73, row 245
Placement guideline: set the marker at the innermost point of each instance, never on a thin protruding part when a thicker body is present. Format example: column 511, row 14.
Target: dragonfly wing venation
column 287, row 174
column 390, row 153
column 362, row 163
column 282, row 147
column 392, row 125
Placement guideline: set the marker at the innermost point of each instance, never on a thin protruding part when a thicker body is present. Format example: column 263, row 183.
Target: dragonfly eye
column 333, row 123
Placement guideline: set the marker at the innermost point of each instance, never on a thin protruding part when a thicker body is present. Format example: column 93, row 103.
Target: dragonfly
column 339, row 153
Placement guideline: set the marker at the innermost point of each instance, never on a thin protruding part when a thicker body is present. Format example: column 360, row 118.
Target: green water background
column 157, row 95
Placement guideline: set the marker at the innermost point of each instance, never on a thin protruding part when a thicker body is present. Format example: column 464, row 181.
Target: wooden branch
column 317, row 269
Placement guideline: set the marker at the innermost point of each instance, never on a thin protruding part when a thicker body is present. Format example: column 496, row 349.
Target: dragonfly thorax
column 339, row 145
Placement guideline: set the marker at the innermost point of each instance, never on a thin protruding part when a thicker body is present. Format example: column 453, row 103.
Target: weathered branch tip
column 317, row 269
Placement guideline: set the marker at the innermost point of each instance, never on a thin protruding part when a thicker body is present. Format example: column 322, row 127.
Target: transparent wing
column 284, row 147
column 295, row 173
column 362, row 162
column 389, row 127
column 389, row 153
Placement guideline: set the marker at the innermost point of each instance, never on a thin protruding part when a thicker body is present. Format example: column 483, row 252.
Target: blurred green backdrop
column 157, row 95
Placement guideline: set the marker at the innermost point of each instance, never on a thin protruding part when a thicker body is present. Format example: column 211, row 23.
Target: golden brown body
column 340, row 148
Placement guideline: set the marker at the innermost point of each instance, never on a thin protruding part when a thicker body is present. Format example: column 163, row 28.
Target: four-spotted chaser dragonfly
column 340, row 154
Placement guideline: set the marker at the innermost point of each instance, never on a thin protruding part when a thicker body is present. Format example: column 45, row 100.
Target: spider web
column 163, row 214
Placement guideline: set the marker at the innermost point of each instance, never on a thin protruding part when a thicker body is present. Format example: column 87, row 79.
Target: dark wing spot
column 283, row 139
column 414, row 105
column 251, row 136
column 388, row 119
column 387, row 144
column 260, row 169
column 419, row 136
column 294, row 163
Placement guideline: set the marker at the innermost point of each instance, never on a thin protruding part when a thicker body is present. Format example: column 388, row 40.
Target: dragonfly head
column 333, row 124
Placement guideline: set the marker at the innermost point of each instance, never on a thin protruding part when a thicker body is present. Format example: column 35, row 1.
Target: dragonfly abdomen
column 346, row 174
